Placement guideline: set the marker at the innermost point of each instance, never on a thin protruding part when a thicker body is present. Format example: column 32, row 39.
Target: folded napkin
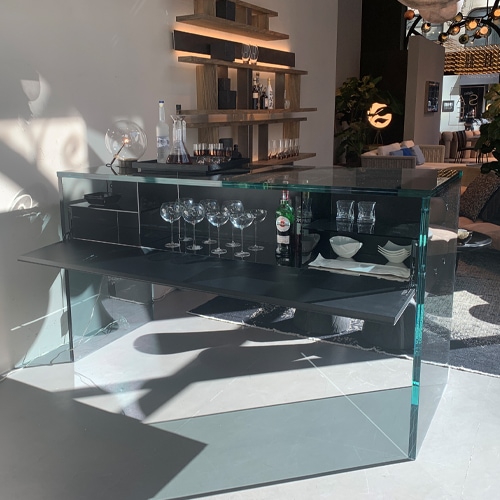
column 388, row 271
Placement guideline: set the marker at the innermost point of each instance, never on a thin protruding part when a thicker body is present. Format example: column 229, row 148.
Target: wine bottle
column 270, row 95
column 162, row 135
column 259, row 87
column 263, row 99
column 285, row 218
column 255, row 94
column 304, row 214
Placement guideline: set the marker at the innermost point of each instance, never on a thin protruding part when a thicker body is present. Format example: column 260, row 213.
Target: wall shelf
column 219, row 121
column 240, row 65
column 284, row 161
column 235, row 114
column 217, row 23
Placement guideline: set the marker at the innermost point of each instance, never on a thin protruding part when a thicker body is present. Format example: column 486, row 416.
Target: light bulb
column 443, row 37
column 426, row 27
column 464, row 39
column 471, row 24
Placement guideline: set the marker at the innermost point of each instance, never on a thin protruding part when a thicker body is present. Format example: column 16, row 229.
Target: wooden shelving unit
column 251, row 21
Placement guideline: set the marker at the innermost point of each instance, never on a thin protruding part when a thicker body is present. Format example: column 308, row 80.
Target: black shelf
column 312, row 290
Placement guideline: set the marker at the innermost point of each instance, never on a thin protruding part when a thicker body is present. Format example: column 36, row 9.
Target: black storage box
column 224, row 84
column 223, row 50
column 227, row 99
column 225, row 9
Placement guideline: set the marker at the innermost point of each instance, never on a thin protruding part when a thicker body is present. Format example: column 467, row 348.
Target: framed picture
column 432, row 97
column 448, row 106
column 471, row 101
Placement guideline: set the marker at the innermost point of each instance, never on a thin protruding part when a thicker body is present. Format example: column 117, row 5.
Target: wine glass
column 171, row 211
column 245, row 52
column 254, row 54
column 185, row 202
column 193, row 214
column 259, row 214
column 218, row 219
column 210, row 206
column 232, row 207
column 241, row 221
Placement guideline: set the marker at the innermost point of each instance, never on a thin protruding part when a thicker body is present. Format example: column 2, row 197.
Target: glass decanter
column 178, row 152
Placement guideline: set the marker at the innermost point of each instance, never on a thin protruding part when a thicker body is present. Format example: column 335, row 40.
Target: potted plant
column 353, row 100
column 489, row 138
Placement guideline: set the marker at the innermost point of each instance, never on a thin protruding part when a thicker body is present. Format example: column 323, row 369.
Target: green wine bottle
column 285, row 219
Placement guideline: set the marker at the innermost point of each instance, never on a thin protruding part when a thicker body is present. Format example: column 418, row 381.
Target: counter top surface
column 402, row 182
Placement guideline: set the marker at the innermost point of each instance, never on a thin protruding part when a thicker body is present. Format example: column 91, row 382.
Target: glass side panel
column 104, row 309
column 437, row 290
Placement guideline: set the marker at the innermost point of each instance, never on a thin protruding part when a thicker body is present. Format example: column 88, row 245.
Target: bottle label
column 162, row 142
column 282, row 224
column 283, row 240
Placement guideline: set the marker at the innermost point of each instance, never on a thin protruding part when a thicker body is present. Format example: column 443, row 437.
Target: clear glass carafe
column 178, row 152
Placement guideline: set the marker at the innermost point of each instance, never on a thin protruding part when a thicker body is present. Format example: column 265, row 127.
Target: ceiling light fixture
column 478, row 27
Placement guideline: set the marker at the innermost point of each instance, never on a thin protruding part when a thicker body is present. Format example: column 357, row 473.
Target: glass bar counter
column 377, row 411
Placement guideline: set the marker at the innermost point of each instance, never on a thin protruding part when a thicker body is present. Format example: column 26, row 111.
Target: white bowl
column 395, row 258
column 344, row 246
column 391, row 247
column 393, row 252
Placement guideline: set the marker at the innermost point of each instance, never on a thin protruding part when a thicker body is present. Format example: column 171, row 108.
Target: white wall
column 69, row 69
column 348, row 41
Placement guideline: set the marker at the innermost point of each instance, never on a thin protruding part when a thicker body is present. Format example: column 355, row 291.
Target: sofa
column 480, row 193
column 406, row 154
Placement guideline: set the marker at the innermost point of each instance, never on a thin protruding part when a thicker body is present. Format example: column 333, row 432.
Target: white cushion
column 407, row 144
column 372, row 152
column 385, row 150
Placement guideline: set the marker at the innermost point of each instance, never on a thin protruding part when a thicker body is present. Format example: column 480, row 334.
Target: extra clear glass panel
column 348, row 357
column 104, row 308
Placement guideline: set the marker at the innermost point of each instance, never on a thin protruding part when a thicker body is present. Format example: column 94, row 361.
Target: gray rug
column 475, row 343
column 475, row 338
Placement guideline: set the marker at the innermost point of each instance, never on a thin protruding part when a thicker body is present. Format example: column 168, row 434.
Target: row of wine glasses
column 216, row 215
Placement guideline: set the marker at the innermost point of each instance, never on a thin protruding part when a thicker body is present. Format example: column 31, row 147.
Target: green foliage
column 352, row 102
column 489, row 139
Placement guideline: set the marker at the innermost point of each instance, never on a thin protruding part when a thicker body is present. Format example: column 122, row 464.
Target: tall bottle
column 259, row 86
column 285, row 218
column 162, row 135
column 304, row 214
column 270, row 95
column 255, row 94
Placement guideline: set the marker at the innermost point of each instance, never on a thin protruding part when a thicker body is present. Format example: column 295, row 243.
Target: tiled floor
column 105, row 426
